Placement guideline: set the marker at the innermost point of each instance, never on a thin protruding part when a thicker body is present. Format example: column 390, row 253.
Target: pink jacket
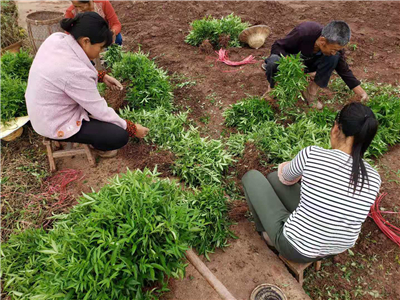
column 62, row 90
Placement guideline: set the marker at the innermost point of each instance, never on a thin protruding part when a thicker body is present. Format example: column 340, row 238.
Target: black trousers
column 101, row 135
column 321, row 64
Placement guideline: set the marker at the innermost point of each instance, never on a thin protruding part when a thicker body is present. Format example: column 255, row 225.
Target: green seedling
column 149, row 85
column 290, row 81
column 248, row 113
column 211, row 29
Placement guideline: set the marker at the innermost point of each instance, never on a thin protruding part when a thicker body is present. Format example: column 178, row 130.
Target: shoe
column 264, row 66
column 266, row 238
column 106, row 154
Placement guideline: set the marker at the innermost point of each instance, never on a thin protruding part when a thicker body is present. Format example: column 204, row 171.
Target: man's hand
column 141, row 131
column 113, row 83
column 358, row 90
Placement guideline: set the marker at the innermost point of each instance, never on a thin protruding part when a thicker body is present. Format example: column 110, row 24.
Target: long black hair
column 89, row 24
column 358, row 120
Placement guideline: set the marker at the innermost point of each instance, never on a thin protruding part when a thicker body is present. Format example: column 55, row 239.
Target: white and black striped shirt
column 329, row 217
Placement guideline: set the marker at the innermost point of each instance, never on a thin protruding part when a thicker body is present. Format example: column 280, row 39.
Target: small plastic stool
column 298, row 268
column 67, row 151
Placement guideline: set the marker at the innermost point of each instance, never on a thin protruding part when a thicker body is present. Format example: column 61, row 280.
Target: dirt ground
column 244, row 265
column 160, row 27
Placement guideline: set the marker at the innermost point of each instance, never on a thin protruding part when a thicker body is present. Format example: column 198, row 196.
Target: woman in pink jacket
column 62, row 97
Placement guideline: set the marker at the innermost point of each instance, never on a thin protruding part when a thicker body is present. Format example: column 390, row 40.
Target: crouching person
column 62, row 98
column 322, row 216
column 321, row 49
column 104, row 8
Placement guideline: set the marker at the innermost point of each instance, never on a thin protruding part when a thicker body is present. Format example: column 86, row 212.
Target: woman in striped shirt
column 323, row 215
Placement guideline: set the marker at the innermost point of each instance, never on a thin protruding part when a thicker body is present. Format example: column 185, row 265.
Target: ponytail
column 358, row 120
column 91, row 25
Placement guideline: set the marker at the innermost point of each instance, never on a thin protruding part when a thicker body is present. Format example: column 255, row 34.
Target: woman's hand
column 136, row 130
column 141, row 131
column 112, row 83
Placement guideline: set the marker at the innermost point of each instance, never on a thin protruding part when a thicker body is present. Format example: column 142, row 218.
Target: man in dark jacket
column 322, row 51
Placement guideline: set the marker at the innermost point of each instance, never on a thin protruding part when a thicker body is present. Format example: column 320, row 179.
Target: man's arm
column 348, row 77
column 286, row 45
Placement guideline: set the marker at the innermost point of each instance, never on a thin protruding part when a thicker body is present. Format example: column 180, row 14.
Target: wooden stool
column 298, row 268
column 67, row 151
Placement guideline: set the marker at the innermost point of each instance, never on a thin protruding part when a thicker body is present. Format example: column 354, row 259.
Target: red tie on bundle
column 223, row 57
column 388, row 229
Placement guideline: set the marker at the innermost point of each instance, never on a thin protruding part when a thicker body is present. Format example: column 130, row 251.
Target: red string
column 391, row 231
column 223, row 57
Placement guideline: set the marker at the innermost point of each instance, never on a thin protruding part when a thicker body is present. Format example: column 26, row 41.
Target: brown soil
column 135, row 155
column 206, row 47
column 116, row 99
column 223, row 41
column 241, row 267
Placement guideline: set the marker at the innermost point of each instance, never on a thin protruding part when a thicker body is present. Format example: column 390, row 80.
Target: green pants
column 271, row 203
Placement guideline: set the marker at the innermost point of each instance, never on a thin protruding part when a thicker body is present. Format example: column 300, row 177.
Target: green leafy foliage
column 283, row 143
column 248, row 113
column 213, row 217
column 387, row 111
column 149, row 86
column 16, row 65
column 127, row 238
column 166, row 129
column 101, row 87
column 236, row 143
column 200, row 161
column 290, row 80
column 323, row 117
column 14, row 74
column 12, row 98
column 113, row 55
column 129, row 235
column 211, row 29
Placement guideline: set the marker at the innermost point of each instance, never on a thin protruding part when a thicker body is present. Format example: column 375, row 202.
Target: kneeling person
column 321, row 49
column 104, row 9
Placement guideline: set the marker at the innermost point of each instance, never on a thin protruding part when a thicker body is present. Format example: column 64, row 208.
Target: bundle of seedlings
column 123, row 242
column 200, row 161
column 211, row 202
column 281, row 143
column 248, row 113
column 166, row 128
column 149, row 86
column 290, row 81
column 219, row 32
column 112, row 55
column 11, row 33
column 12, row 98
column 14, row 75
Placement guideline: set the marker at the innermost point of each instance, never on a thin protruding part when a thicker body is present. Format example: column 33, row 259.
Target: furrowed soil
column 370, row 271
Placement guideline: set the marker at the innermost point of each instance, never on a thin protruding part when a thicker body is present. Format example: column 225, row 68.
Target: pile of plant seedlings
column 14, row 76
column 212, row 29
